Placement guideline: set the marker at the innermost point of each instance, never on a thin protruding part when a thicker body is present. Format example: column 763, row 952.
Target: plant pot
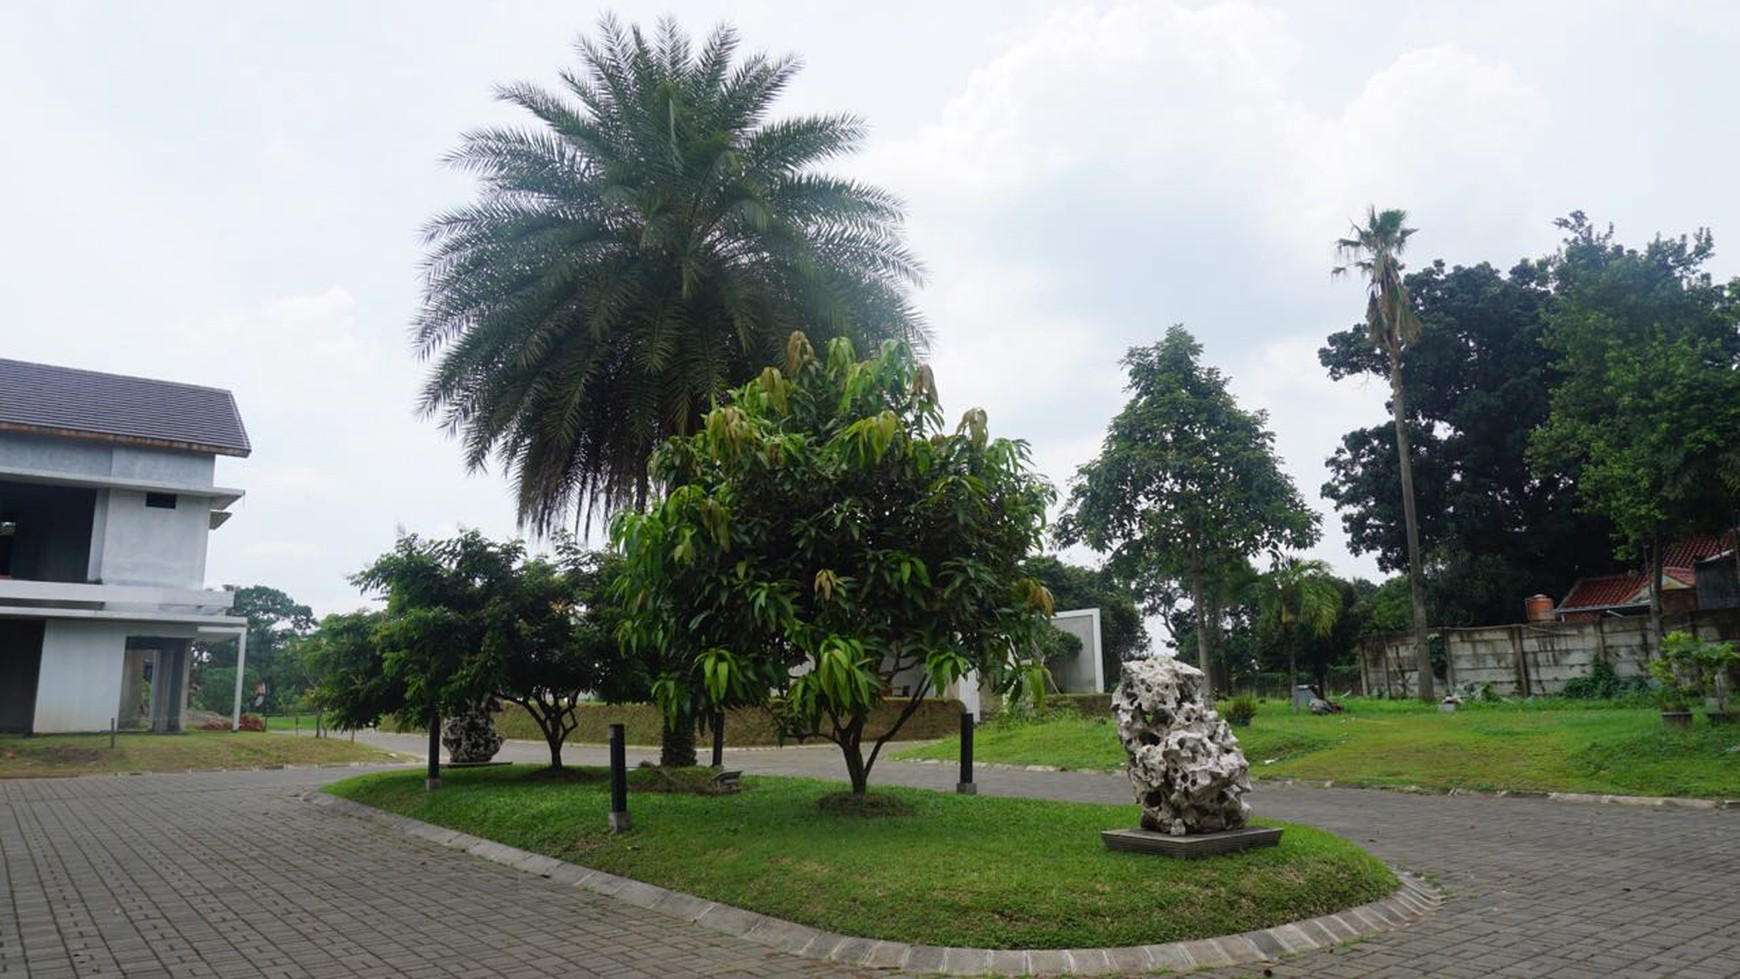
column 1719, row 718
column 1676, row 720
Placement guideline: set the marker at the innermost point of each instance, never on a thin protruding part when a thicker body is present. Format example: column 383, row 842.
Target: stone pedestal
column 1191, row 846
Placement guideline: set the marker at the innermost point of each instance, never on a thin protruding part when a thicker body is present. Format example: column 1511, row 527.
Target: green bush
column 1239, row 710
column 1603, row 684
column 744, row 727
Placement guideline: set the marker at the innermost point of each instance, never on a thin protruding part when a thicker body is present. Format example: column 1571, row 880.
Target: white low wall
column 80, row 685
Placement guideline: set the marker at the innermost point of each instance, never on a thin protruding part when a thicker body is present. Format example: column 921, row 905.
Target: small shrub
column 1239, row 710
column 250, row 722
column 1601, row 684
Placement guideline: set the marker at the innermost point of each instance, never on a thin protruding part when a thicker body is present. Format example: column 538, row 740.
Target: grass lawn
column 90, row 754
column 1514, row 746
column 958, row 870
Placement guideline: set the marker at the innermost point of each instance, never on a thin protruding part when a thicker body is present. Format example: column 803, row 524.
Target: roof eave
column 240, row 452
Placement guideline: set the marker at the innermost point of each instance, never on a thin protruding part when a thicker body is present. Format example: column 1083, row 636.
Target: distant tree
column 1186, row 486
column 824, row 523
column 647, row 243
column 1479, row 379
column 1648, row 414
column 1375, row 253
column 1299, row 597
column 431, row 634
column 469, row 620
column 352, row 685
column 1123, row 634
column 275, row 621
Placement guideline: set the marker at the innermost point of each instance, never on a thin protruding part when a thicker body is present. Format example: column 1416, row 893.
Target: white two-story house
column 107, row 497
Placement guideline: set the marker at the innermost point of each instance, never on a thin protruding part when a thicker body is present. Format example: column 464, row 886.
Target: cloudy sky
column 229, row 194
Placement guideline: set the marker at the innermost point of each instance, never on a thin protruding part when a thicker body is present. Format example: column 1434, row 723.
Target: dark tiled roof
column 48, row 400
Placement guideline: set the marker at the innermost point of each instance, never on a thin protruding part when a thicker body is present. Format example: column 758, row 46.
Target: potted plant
column 1690, row 669
column 1716, row 662
column 1675, row 674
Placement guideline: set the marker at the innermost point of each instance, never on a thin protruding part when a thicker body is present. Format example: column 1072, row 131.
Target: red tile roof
column 1605, row 591
column 1622, row 590
column 1627, row 590
column 1687, row 552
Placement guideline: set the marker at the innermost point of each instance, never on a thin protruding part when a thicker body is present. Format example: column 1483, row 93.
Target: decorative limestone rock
column 1184, row 761
column 470, row 737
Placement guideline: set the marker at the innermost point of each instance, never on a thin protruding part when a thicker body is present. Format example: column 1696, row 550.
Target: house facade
column 107, row 499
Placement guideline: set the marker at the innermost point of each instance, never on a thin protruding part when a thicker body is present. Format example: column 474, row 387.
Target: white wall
column 1083, row 672
column 80, row 684
column 143, row 545
column 95, row 460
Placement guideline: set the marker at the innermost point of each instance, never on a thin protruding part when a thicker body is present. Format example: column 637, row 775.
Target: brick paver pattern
column 232, row 874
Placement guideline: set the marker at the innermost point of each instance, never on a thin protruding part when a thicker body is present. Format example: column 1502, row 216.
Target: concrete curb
column 1411, row 901
column 1586, row 798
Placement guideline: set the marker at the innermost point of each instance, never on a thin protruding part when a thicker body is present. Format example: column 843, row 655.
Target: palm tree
column 651, row 241
column 1296, row 592
column 1375, row 253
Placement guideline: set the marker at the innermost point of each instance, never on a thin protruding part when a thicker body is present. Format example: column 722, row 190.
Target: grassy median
column 975, row 871
column 90, row 754
column 1511, row 746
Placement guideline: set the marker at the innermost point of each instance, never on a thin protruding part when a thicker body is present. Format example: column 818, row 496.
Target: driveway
column 231, row 874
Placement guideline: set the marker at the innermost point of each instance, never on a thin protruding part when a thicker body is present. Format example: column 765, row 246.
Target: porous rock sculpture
column 470, row 737
column 1185, row 763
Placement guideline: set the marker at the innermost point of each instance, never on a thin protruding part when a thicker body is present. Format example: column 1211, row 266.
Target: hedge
column 744, row 727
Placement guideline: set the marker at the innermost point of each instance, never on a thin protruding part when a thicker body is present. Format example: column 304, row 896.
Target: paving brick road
column 231, row 874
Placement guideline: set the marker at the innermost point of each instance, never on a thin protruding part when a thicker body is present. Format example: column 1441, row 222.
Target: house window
column 161, row 501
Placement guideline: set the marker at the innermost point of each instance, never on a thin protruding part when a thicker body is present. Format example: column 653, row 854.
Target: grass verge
column 1515, row 747
column 90, row 754
column 976, row 871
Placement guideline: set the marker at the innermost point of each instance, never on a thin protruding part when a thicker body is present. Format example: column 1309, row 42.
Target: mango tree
column 823, row 537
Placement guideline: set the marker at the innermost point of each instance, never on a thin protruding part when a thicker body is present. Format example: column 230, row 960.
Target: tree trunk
column 555, row 742
column 852, row 746
column 1201, row 613
column 1404, row 461
column 677, row 743
column 1655, row 570
column 1292, row 670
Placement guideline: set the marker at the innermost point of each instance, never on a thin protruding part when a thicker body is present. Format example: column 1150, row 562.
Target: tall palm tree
column 1298, row 594
column 653, row 239
column 1375, row 252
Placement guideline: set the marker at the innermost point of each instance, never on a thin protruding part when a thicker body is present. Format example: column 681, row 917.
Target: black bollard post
column 965, row 786
column 618, row 781
column 432, row 781
column 112, row 726
column 719, row 741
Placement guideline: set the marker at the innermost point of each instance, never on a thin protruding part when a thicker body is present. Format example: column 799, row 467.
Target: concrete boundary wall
column 1533, row 658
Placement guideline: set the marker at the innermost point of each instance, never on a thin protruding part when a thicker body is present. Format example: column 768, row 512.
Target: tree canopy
column 1186, row 486
column 469, row 620
column 648, row 241
column 1647, row 416
column 1492, row 529
column 275, row 623
column 824, row 536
